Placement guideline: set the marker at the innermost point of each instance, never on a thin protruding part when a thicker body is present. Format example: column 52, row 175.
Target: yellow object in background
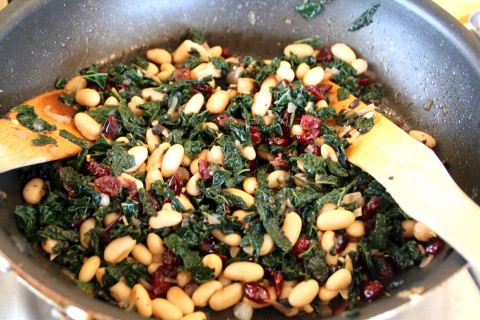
column 460, row 9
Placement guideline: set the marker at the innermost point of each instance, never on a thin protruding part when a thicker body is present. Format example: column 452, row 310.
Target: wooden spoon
column 409, row 170
column 16, row 147
column 418, row 181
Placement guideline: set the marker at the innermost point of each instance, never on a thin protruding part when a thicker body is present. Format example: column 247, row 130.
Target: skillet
column 427, row 61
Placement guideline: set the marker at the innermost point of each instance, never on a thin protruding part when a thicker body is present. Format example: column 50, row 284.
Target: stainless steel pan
column 429, row 64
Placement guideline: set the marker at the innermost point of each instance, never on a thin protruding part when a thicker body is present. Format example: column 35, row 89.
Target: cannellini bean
column 86, row 226
column 140, row 154
column 408, row 226
column 133, row 105
column 141, row 299
column 89, row 268
column 204, row 70
column 120, row 292
column 245, row 85
column 214, row 262
column 422, row 233
column 186, row 203
column 183, row 277
column 179, row 298
column 48, row 245
column 211, row 125
column 232, row 239
column 269, row 82
column 76, row 84
column 356, row 229
column 250, row 184
column 262, row 101
column 34, row 191
column 292, row 226
column 285, row 73
column 155, row 159
column 328, row 152
column 119, row 249
column 172, row 160
column 218, row 102
column 151, row 94
column 141, row 253
column 240, row 215
column 195, row 104
column 326, row 295
column 125, row 178
column 165, row 310
column 87, row 97
column 155, row 244
column 203, row 293
column 111, row 101
column 423, row 137
column 215, row 51
column 243, row 271
column 215, row 155
column 343, row 52
column 360, row 65
column 165, row 218
column 303, row 293
column 88, row 127
column 191, row 187
column 328, row 240
column 247, row 198
column 99, row 275
column 276, row 179
column 226, row 297
column 183, row 51
column 335, row 220
column 313, row 77
column 296, row 130
column 301, row 50
column 104, row 200
column 351, row 246
column 198, row 315
column 159, row 56
column 302, row 69
column 339, row 280
column 246, row 152
column 267, row 246
column 151, row 177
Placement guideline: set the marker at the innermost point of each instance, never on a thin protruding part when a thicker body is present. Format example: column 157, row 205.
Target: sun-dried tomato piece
column 256, row 292
column 108, row 185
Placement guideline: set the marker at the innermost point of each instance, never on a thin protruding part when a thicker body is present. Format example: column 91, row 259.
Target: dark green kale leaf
column 72, row 258
column 288, row 263
column 233, row 159
column 146, row 204
column 254, row 237
column 118, row 159
column 142, row 63
column 314, row 42
column 266, row 70
column 98, row 78
column 315, row 264
column 27, row 221
column 180, row 247
column 312, row 165
column 129, row 272
column 101, row 114
column 73, row 138
column 194, row 232
column 43, row 140
column 194, row 35
column 309, row 9
column 364, row 19
column 201, row 274
column 29, row 119
column 406, row 255
column 130, row 122
column 241, row 133
column 57, row 233
column 67, row 99
column 378, row 237
column 342, row 94
column 61, row 82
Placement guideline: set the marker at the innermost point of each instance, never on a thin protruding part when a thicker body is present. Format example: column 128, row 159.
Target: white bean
column 119, row 249
column 88, row 127
column 183, row 51
column 244, row 271
column 422, row 233
column 34, row 191
column 155, row 244
column 86, row 226
column 195, row 104
column 75, row 84
column 172, row 160
column 247, row 198
column 191, row 187
column 142, row 301
column 250, row 184
column 214, row 262
column 179, row 298
column 120, row 292
column 423, row 137
column 165, row 218
column 87, row 97
column 151, row 177
column 245, row 85
column 215, row 155
column 292, row 226
column 198, row 315
column 408, row 226
column 151, row 94
column 276, row 179
column 262, row 101
column 360, row 65
column 218, row 102
column 356, row 229
column 313, row 77
column 301, row 50
column 339, row 280
column 141, row 253
column 111, row 101
column 165, row 310
column 267, row 246
column 343, row 52
column 303, row 293
column 302, row 69
column 335, row 220
column 159, row 56
column 140, row 154
column 232, row 239
column 226, row 297
column 203, row 293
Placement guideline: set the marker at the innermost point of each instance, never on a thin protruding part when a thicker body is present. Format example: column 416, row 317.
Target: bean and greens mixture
column 219, row 180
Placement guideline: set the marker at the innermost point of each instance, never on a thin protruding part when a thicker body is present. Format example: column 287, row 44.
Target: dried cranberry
column 280, row 163
column 153, row 202
column 206, row 246
column 97, row 169
column 300, row 246
column 223, row 257
column 278, row 141
column 223, row 120
column 315, row 149
column 256, row 292
column 307, row 137
column 324, row 55
column 432, row 247
column 332, row 268
column 132, row 189
column 111, row 127
column 203, row 88
column 108, row 185
column 319, row 91
column 69, row 190
column 371, row 290
column 175, row 184
column 226, row 52
column 161, row 281
column 341, row 241
column 369, row 211
column 203, row 169
column 383, row 266
column 309, row 122
column 170, row 259
column 256, row 135
column 182, row 73
column 340, row 307
column 365, row 81
column 252, row 165
column 276, row 277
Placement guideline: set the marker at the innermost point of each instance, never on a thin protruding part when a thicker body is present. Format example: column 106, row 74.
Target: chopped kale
column 29, row 119
column 309, row 9
column 364, row 19
column 43, row 140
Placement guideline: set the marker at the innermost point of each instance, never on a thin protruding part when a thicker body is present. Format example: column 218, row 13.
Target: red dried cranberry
column 97, row 169
column 278, row 141
column 256, row 292
column 256, row 135
column 108, row 185
column 341, row 241
column 383, row 266
column 226, row 52
column 433, row 246
column 319, row 91
column 300, row 246
column 340, row 307
column 153, row 202
column 371, row 290
column 276, row 277
column 132, row 189
column 111, row 127
column 175, row 184
column 309, row 122
column 203, row 88
column 170, row 259
column 203, row 169
column 252, row 165
column 368, row 214
column 307, row 137
column 280, row 163
column 332, row 268
column 69, row 190
column 206, row 246
column 324, row 55
column 223, row 257
column 315, row 149
column 182, row 73
column 161, row 281
column 365, row 81
column 223, row 120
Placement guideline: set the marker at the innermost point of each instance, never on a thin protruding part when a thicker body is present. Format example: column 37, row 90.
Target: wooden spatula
column 16, row 147
column 418, row 181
